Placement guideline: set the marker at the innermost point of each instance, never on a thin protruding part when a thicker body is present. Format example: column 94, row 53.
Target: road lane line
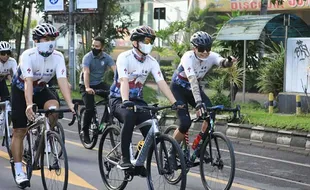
column 274, row 177
column 190, row 173
column 273, row 159
column 70, row 131
column 74, row 179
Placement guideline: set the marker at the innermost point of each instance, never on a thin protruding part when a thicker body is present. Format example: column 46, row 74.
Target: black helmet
column 44, row 30
column 141, row 32
column 202, row 39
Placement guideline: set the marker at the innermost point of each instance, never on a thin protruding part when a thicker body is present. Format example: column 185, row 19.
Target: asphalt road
column 256, row 167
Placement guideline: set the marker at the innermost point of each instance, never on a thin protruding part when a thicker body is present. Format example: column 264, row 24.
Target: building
column 300, row 8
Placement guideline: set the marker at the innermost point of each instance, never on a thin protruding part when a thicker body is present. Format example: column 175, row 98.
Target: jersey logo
column 125, row 70
column 189, row 69
column 62, row 71
column 159, row 73
column 28, row 70
column 102, row 63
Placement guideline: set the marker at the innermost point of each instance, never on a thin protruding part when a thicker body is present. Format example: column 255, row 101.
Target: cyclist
column 37, row 66
column 7, row 68
column 185, row 84
column 95, row 63
column 132, row 69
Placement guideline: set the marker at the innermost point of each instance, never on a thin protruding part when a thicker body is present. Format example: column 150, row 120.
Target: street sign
column 53, row 5
column 86, row 4
column 160, row 13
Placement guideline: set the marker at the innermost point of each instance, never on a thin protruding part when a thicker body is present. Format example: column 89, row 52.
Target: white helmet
column 5, row 46
column 44, row 30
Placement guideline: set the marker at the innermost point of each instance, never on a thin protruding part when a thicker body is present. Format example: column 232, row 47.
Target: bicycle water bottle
column 131, row 154
column 197, row 140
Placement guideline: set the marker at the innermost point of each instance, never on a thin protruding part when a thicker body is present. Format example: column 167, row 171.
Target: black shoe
column 86, row 138
column 141, row 171
column 124, row 165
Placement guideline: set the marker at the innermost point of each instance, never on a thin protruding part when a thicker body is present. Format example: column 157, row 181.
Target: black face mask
column 96, row 52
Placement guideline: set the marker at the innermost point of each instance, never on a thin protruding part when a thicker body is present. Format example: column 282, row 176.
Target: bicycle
column 212, row 155
column 145, row 151
column 95, row 127
column 40, row 141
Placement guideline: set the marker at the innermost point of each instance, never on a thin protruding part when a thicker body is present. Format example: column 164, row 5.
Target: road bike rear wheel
column 217, row 170
column 162, row 166
column 55, row 170
column 93, row 131
column 113, row 177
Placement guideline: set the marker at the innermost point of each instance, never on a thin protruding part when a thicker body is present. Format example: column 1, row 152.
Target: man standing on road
column 95, row 64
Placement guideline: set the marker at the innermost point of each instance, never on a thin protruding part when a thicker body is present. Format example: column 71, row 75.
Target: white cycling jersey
column 190, row 65
column 39, row 68
column 127, row 66
column 8, row 68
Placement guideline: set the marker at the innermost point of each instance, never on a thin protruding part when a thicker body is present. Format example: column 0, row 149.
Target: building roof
column 250, row 27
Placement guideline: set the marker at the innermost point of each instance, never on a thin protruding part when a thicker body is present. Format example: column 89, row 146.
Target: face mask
column 96, row 52
column 145, row 48
column 46, row 48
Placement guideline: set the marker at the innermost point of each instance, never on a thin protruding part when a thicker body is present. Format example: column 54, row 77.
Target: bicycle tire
column 94, row 138
column 160, row 138
column 58, row 128
column 203, row 151
column 7, row 145
column 178, row 178
column 52, row 134
column 110, row 130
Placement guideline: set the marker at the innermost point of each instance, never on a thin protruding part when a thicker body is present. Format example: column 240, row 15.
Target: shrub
column 220, row 99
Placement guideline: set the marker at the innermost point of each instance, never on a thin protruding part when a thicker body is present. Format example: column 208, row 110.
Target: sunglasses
column 202, row 49
column 147, row 40
column 5, row 52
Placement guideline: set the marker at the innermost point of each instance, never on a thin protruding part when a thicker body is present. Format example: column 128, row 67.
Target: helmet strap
column 138, row 57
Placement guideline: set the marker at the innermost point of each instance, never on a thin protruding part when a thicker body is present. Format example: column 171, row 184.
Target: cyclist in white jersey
column 37, row 67
column 132, row 68
column 8, row 67
column 185, row 83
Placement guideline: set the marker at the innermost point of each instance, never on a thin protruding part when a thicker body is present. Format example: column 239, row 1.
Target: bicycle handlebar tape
column 271, row 98
column 298, row 105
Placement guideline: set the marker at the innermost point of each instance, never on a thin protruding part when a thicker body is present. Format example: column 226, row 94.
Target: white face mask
column 46, row 48
column 145, row 48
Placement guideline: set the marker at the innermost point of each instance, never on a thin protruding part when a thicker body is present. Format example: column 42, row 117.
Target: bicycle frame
column 7, row 109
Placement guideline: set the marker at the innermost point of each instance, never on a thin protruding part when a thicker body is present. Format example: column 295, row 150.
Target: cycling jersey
column 41, row 69
column 190, row 65
column 7, row 68
column 127, row 66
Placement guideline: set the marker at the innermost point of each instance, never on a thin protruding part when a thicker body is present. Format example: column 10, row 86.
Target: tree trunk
column 263, row 11
column 21, row 33
column 28, row 26
column 141, row 12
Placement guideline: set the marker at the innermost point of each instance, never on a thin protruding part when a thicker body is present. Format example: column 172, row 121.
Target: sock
column 18, row 168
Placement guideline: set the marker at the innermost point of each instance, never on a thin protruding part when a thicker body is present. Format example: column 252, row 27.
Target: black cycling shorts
column 186, row 96
column 19, row 117
column 4, row 91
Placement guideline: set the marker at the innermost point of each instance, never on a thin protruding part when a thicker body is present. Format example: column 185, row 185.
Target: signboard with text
column 86, row 4
column 254, row 5
column 53, row 5
column 297, row 64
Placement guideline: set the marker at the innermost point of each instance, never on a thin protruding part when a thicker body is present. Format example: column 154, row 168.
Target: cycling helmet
column 5, row 46
column 202, row 39
column 141, row 32
column 44, row 30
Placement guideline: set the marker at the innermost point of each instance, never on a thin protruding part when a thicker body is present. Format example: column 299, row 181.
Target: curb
column 294, row 139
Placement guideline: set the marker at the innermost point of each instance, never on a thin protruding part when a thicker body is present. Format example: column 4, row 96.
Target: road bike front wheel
column 217, row 162
column 54, row 169
column 93, row 131
column 161, row 167
column 109, row 154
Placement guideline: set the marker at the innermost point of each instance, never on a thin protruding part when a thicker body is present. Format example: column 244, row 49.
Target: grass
column 257, row 116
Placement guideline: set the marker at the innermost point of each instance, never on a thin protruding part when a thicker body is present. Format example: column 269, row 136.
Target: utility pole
column 71, row 44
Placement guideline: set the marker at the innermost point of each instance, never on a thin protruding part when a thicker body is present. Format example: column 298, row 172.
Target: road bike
column 40, row 150
column 154, row 150
column 215, row 153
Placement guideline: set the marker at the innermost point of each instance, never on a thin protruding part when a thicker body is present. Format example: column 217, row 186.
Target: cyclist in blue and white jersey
column 132, row 69
column 8, row 67
column 185, row 84
column 37, row 67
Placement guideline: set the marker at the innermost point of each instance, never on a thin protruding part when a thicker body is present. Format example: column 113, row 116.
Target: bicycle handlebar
column 153, row 108
column 220, row 108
